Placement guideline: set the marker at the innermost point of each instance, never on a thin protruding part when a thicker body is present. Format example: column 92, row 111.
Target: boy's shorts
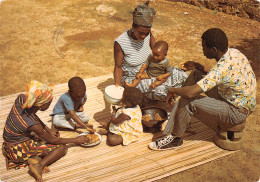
column 65, row 121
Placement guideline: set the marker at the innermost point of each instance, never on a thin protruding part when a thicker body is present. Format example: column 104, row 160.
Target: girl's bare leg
column 114, row 139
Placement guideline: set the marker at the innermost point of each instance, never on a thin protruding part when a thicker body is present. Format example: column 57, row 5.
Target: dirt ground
column 52, row 41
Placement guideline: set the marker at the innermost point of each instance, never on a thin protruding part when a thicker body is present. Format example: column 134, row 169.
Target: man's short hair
column 215, row 37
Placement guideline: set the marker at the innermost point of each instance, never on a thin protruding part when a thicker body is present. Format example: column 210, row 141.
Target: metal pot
column 151, row 111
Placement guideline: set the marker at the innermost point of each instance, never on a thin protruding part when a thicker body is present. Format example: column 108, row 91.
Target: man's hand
column 170, row 98
column 187, row 66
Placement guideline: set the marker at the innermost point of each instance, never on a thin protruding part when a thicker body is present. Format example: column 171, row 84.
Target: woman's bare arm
column 152, row 40
column 118, row 57
column 38, row 129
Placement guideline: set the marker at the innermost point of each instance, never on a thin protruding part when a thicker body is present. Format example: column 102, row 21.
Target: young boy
column 68, row 111
column 156, row 66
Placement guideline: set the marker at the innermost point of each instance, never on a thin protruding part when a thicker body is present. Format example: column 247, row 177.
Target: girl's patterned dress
column 130, row 130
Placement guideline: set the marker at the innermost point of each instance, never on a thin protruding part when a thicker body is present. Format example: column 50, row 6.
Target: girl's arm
column 118, row 57
column 121, row 118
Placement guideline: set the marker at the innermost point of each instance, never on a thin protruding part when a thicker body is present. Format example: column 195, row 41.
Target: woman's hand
column 54, row 132
column 82, row 139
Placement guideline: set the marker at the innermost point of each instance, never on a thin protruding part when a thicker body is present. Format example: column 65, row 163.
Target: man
column 230, row 86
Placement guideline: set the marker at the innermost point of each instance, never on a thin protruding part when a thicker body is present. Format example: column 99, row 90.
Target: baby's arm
column 121, row 118
column 74, row 116
column 141, row 71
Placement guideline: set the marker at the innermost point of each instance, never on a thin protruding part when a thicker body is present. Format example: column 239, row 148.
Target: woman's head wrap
column 37, row 94
column 143, row 15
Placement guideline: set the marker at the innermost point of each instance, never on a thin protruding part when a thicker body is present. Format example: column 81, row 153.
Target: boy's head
column 77, row 88
column 159, row 50
column 212, row 40
column 132, row 97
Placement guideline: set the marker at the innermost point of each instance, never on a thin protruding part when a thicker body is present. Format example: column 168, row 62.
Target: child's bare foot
column 102, row 131
column 104, row 125
column 128, row 84
column 152, row 86
column 35, row 170
column 36, row 160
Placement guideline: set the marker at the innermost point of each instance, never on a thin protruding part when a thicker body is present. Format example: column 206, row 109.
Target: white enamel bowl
column 114, row 94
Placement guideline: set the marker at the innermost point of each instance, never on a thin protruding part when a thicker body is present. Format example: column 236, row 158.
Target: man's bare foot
column 36, row 160
column 35, row 170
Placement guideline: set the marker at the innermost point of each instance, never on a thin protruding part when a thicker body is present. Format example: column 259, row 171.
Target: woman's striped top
column 135, row 53
column 18, row 122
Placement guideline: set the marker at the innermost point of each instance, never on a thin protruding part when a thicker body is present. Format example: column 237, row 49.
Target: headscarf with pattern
column 143, row 15
column 37, row 94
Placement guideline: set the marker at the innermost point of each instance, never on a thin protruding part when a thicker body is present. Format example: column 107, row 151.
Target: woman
column 132, row 48
column 20, row 147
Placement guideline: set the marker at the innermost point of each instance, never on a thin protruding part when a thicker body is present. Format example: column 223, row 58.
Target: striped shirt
column 135, row 53
column 18, row 122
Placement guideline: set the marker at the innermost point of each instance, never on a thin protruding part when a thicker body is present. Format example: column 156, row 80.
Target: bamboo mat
column 120, row 163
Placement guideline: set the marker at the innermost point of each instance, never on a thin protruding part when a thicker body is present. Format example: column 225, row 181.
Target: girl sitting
column 126, row 123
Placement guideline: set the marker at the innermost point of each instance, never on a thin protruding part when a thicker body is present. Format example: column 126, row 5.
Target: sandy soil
column 52, row 41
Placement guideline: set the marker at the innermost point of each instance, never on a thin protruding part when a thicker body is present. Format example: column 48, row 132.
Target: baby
column 156, row 66
column 68, row 111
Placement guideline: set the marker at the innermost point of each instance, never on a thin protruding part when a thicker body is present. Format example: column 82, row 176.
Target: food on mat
column 157, row 117
column 93, row 138
column 146, row 118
